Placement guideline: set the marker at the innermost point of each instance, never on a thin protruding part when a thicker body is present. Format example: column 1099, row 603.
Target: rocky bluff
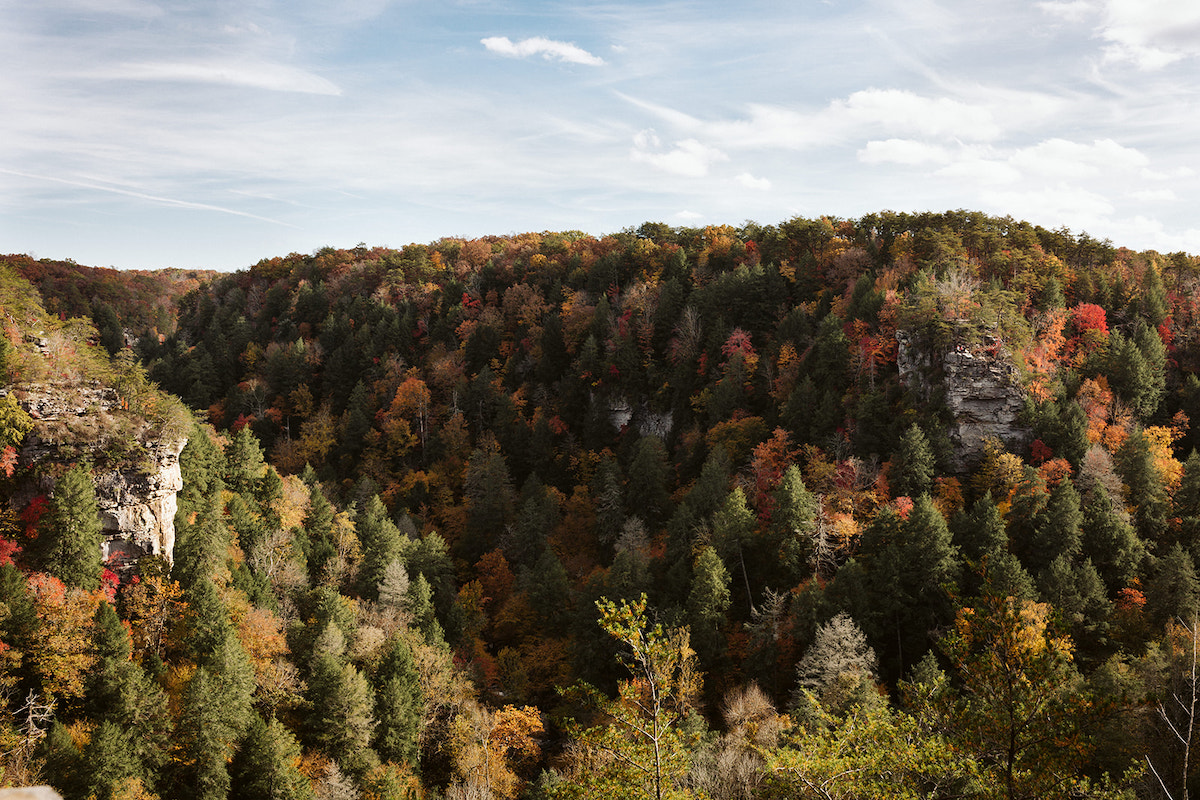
column 981, row 388
column 137, row 476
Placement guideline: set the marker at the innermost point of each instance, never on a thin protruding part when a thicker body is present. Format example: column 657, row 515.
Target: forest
column 668, row 513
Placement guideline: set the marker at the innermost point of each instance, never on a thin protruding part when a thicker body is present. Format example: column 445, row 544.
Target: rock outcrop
column 137, row 508
column 135, row 493
column 982, row 392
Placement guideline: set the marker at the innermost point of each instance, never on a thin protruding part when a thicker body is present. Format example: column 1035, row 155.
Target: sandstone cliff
column 981, row 389
column 136, row 475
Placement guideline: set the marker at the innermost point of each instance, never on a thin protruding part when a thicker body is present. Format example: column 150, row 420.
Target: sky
column 211, row 134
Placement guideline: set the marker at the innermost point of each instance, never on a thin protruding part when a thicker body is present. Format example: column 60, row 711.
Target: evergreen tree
column 913, row 465
column 1077, row 594
column 318, row 529
column 381, row 544
column 793, row 527
column 68, row 543
column 707, row 603
column 1174, row 591
column 340, row 720
column 1112, row 542
column 489, row 496
column 646, row 490
column 244, row 465
column 108, row 760
column 204, row 741
column 1058, row 529
column 267, row 766
column 398, row 705
column 980, row 531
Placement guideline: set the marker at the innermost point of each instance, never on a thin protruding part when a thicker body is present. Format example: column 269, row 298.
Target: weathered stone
column 137, row 510
column 136, row 499
column 982, row 392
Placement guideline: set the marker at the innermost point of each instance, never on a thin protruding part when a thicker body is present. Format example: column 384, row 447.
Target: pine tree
column 244, row 465
column 381, row 542
column 1174, row 591
column 340, row 722
column 646, row 490
column 318, row 529
column 793, row 527
column 68, row 543
column 707, row 603
column 204, row 741
column 108, row 760
column 398, row 705
column 913, row 465
column 1112, row 542
column 267, row 766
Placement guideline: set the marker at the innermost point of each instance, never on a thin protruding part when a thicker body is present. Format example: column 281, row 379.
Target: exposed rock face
column 136, row 498
column 648, row 423
column 137, row 509
column 982, row 391
column 984, row 396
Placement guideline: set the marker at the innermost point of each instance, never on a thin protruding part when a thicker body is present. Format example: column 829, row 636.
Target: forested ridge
column 657, row 514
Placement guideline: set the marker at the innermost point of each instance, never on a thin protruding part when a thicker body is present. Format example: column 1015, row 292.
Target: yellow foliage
column 1159, row 439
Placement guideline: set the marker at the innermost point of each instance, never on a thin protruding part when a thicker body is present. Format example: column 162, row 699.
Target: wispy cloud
column 548, row 49
column 166, row 201
column 252, row 74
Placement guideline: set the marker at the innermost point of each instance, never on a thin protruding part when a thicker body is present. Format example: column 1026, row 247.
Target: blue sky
column 180, row 133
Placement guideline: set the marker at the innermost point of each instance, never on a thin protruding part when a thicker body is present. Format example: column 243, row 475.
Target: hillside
column 912, row 498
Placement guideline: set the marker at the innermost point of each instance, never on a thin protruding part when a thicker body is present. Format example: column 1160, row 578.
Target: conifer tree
column 267, row 766
column 913, row 465
column 398, row 705
column 108, row 760
column 244, row 465
column 381, row 544
column 707, row 603
column 68, row 543
column 793, row 527
column 340, row 720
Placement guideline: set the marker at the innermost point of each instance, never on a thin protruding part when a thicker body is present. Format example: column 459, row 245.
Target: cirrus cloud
column 548, row 49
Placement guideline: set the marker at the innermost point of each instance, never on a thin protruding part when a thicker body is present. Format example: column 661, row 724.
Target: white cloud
column 1066, row 159
column 1153, row 195
column 1068, row 10
column 253, row 74
column 1074, row 206
column 688, row 158
column 541, row 46
column 688, row 216
column 902, row 151
column 750, row 182
column 980, row 172
column 1151, row 33
column 906, row 112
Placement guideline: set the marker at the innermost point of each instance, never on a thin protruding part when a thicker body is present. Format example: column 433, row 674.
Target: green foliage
column 68, row 544
column 643, row 750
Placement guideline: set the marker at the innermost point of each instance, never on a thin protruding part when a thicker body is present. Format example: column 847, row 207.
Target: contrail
column 141, row 196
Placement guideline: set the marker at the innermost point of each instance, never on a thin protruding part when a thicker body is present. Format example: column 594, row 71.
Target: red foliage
column 33, row 514
column 8, row 549
column 8, row 461
column 108, row 584
column 1088, row 317
column 1039, row 452
column 904, row 505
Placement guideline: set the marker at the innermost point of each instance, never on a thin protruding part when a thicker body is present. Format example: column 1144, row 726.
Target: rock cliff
column 137, row 478
column 982, row 392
